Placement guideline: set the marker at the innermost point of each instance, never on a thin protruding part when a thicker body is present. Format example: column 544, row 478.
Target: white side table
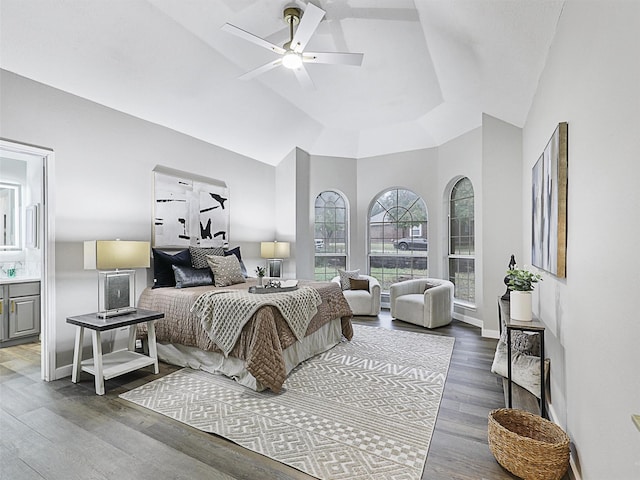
column 104, row 367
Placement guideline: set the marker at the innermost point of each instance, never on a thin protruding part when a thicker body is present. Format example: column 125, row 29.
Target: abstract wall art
column 549, row 205
column 189, row 210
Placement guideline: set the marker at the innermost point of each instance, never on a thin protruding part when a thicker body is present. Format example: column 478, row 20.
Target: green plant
column 260, row 271
column 522, row 280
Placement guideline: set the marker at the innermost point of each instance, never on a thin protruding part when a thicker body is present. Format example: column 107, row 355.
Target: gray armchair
column 427, row 302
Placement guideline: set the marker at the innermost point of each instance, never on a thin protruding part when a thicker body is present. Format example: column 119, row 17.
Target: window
column 462, row 241
column 398, row 237
column 330, row 239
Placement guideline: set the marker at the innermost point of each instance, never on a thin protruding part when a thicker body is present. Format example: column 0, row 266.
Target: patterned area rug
column 365, row 409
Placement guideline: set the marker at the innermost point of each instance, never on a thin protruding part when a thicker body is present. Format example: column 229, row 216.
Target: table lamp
column 274, row 252
column 115, row 261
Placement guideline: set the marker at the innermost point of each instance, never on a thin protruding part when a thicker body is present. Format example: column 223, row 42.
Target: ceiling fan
column 292, row 53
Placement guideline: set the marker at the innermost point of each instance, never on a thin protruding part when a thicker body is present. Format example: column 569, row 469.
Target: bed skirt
column 323, row 339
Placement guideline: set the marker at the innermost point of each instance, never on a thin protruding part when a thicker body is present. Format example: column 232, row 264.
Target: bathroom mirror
column 9, row 216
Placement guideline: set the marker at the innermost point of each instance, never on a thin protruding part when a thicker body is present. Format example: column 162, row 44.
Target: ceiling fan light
column 292, row 60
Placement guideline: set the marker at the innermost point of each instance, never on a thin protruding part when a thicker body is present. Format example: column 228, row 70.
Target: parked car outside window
column 414, row 243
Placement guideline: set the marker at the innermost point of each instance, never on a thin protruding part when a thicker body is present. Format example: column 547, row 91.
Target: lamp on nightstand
column 115, row 261
column 274, row 252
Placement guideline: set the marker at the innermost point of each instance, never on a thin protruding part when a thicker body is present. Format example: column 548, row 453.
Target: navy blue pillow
column 192, row 277
column 236, row 252
column 163, row 275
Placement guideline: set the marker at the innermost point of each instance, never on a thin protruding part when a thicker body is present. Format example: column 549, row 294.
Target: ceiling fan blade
column 303, row 77
column 337, row 58
column 227, row 27
column 308, row 23
column 260, row 70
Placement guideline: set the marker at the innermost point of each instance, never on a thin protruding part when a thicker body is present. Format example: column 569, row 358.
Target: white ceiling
column 430, row 68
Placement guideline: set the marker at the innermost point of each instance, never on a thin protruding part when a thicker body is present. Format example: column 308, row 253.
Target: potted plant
column 260, row 271
column 521, row 283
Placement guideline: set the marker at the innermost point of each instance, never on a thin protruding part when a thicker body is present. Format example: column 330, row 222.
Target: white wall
column 462, row 157
column 338, row 174
column 103, row 183
column 416, row 170
column 501, row 210
column 592, row 81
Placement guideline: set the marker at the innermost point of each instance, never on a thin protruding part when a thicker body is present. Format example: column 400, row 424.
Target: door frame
column 47, row 274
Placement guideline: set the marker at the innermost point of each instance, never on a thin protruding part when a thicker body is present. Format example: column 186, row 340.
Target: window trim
column 396, row 253
column 346, row 224
column 459, row 301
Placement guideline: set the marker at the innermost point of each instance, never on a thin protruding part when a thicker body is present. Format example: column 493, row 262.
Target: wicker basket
column 527, row 445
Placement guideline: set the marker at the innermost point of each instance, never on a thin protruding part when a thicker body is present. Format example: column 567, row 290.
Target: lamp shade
column 114, row 254
column 274, row 249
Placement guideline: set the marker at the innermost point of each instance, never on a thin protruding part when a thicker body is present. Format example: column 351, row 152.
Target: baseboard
column 573, row 468
column 63, row 372
column 476, row 322
column 490, row 333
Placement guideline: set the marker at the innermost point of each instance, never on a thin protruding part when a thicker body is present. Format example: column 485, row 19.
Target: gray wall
column 592, row 81
column 103, row 183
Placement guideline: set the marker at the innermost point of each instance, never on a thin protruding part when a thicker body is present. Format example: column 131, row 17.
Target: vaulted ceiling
column 430, row 68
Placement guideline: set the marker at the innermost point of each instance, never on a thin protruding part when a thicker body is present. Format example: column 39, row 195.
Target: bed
column 266, row 348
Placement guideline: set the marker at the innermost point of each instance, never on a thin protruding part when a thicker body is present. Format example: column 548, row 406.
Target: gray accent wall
column 103, row 184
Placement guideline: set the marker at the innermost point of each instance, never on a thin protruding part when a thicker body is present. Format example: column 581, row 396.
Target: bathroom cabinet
column 19, row 312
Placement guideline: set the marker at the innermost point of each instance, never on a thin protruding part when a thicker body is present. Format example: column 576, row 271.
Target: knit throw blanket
column 223, row 314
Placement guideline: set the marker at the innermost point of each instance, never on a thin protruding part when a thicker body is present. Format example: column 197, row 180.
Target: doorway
column 30, row 256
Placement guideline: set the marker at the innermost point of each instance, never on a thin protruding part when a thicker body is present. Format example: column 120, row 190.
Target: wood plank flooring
column 60, row 430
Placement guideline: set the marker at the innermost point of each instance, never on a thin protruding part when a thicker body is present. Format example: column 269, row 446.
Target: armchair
column 427, row 302
column 363, row 302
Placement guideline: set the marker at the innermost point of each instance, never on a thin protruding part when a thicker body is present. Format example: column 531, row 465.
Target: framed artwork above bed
column 189, row 210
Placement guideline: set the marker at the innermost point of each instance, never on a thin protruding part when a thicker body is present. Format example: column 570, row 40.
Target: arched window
column 398, row 243
column 330, row 239
column 462, row 241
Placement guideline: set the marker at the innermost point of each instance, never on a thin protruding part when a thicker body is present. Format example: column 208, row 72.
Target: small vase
column 260, row 281
column 520, row 306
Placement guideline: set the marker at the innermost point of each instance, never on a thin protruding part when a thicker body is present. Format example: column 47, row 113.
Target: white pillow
column 346, row 276
column 226, row 270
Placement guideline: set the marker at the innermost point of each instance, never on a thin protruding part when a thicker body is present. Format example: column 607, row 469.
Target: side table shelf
column 110, row 365
column 533, row 326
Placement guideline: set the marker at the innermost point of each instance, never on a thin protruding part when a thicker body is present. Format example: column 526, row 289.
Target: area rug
column 365, row 409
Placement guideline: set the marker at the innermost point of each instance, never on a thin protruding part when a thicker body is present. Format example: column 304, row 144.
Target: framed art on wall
column 549, row 205
column 189, row 210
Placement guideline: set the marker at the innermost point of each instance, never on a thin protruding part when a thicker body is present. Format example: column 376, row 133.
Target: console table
column 534, row 326
column 104, row 367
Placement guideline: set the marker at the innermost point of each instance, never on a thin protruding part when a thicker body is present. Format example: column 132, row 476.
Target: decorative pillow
column 428, row 286
column 236, row 252
column 346, row 276
column 199, row 255
column 226, row 270
column 356, row 284
column 192, row 277
column 162, row 272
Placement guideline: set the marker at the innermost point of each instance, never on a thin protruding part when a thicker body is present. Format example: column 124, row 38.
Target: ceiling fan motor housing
column 292, row 15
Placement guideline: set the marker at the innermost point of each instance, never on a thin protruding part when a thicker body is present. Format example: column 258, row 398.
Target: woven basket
column 527, row 445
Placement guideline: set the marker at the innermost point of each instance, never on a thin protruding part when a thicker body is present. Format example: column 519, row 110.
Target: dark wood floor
column 61, row 430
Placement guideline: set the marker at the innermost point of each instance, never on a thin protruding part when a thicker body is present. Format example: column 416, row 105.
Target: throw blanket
column 223, row 314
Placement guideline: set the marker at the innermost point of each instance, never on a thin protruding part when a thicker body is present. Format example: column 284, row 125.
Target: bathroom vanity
column 19, row 311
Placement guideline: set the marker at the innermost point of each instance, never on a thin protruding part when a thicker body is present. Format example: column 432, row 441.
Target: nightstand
column 104, row 367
